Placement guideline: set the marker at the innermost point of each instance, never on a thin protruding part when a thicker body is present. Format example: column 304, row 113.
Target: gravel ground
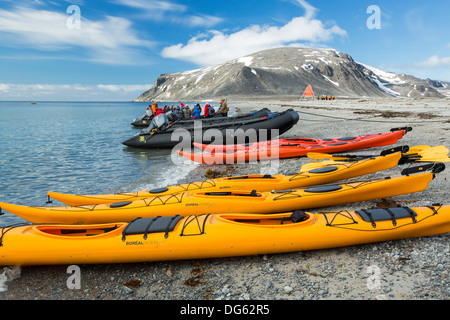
column 410, row 269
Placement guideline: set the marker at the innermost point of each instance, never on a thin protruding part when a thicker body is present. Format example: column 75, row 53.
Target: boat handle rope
column 209, row 181
column 285, row 193
column 346, row 214
column 188, row 221
column 411, row 213
column 394, row 221
column 166, row 233
column 369, row 214
column 8, row 228
column 432, row 207
column 297, row 175
column 148, row 226
column 162, row 201
column 126, row 228
column 87, row 207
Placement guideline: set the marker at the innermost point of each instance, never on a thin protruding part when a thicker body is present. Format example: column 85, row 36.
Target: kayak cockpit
column 249, row 194
column 78, row 231
column 268, row 220
column 250, row 177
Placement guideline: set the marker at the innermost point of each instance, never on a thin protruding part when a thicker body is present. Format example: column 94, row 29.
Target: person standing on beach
column 224, row 108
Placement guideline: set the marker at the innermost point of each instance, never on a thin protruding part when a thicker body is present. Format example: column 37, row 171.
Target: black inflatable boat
column 242, row 130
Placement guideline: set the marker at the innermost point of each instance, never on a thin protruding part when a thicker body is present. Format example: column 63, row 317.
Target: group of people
column 196, row 111
column 184, row 112
column 326, row 97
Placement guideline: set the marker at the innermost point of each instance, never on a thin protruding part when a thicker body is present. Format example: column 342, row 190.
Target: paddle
column 414, row 154
column 321, row 156
column 432, row 154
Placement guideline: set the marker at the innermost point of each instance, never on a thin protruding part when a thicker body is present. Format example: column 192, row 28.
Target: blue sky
column 115, row 49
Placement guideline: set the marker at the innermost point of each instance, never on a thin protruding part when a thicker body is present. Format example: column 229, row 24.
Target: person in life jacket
column 209, row 110
column 186, row 112
column 206, row 113
column 197, row 105
column 196, row 111
column 179, row 112
column 154, row 108
column 166, row 109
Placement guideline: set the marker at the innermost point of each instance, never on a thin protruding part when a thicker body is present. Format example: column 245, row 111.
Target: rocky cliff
column 287, row 72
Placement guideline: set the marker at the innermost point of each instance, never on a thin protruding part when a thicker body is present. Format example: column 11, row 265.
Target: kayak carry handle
column 406, row 129
column 402, row 149
column 433, row 167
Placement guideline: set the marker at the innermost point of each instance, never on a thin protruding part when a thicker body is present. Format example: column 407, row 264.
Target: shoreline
column 410, row 269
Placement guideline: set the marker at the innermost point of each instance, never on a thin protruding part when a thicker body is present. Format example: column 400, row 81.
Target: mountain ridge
column 288, row 71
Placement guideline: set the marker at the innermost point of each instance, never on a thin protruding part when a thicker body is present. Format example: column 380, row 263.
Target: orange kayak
column 289, row 148
column 214, row 236
column 203, row 202
column 295, row 180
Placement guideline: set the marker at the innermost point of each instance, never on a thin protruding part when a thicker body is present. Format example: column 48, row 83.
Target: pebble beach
column 409, row 269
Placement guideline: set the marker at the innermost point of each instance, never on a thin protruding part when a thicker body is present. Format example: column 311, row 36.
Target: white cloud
column 216, row 46
column 435, row 62
column 124, row 88
column 4, row 87
column 111, row 40
column 203, row 20
column 166, row 11
column 71, row 92
column 153, row 6
column 310, row 11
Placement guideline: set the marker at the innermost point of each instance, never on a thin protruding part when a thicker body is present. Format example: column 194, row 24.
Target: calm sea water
column 75, row 147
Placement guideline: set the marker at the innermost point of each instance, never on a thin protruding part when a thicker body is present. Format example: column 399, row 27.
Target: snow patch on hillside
column 246, row 60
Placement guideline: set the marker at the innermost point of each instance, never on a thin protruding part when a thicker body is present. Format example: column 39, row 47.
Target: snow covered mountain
column 406, row 85
column 287, row 72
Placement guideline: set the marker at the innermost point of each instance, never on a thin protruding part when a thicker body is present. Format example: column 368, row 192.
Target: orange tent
column 308, row 92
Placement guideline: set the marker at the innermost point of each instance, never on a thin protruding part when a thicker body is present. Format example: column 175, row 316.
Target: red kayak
column 290, row 148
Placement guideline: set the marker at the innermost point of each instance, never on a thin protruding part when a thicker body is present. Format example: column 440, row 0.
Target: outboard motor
column 157, row 123
column 172, row 116
column 147, row 115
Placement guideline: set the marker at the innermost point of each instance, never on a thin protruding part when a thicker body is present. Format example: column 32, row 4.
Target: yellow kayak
column 317, row 176
column 201, row 202
column 214, row 236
